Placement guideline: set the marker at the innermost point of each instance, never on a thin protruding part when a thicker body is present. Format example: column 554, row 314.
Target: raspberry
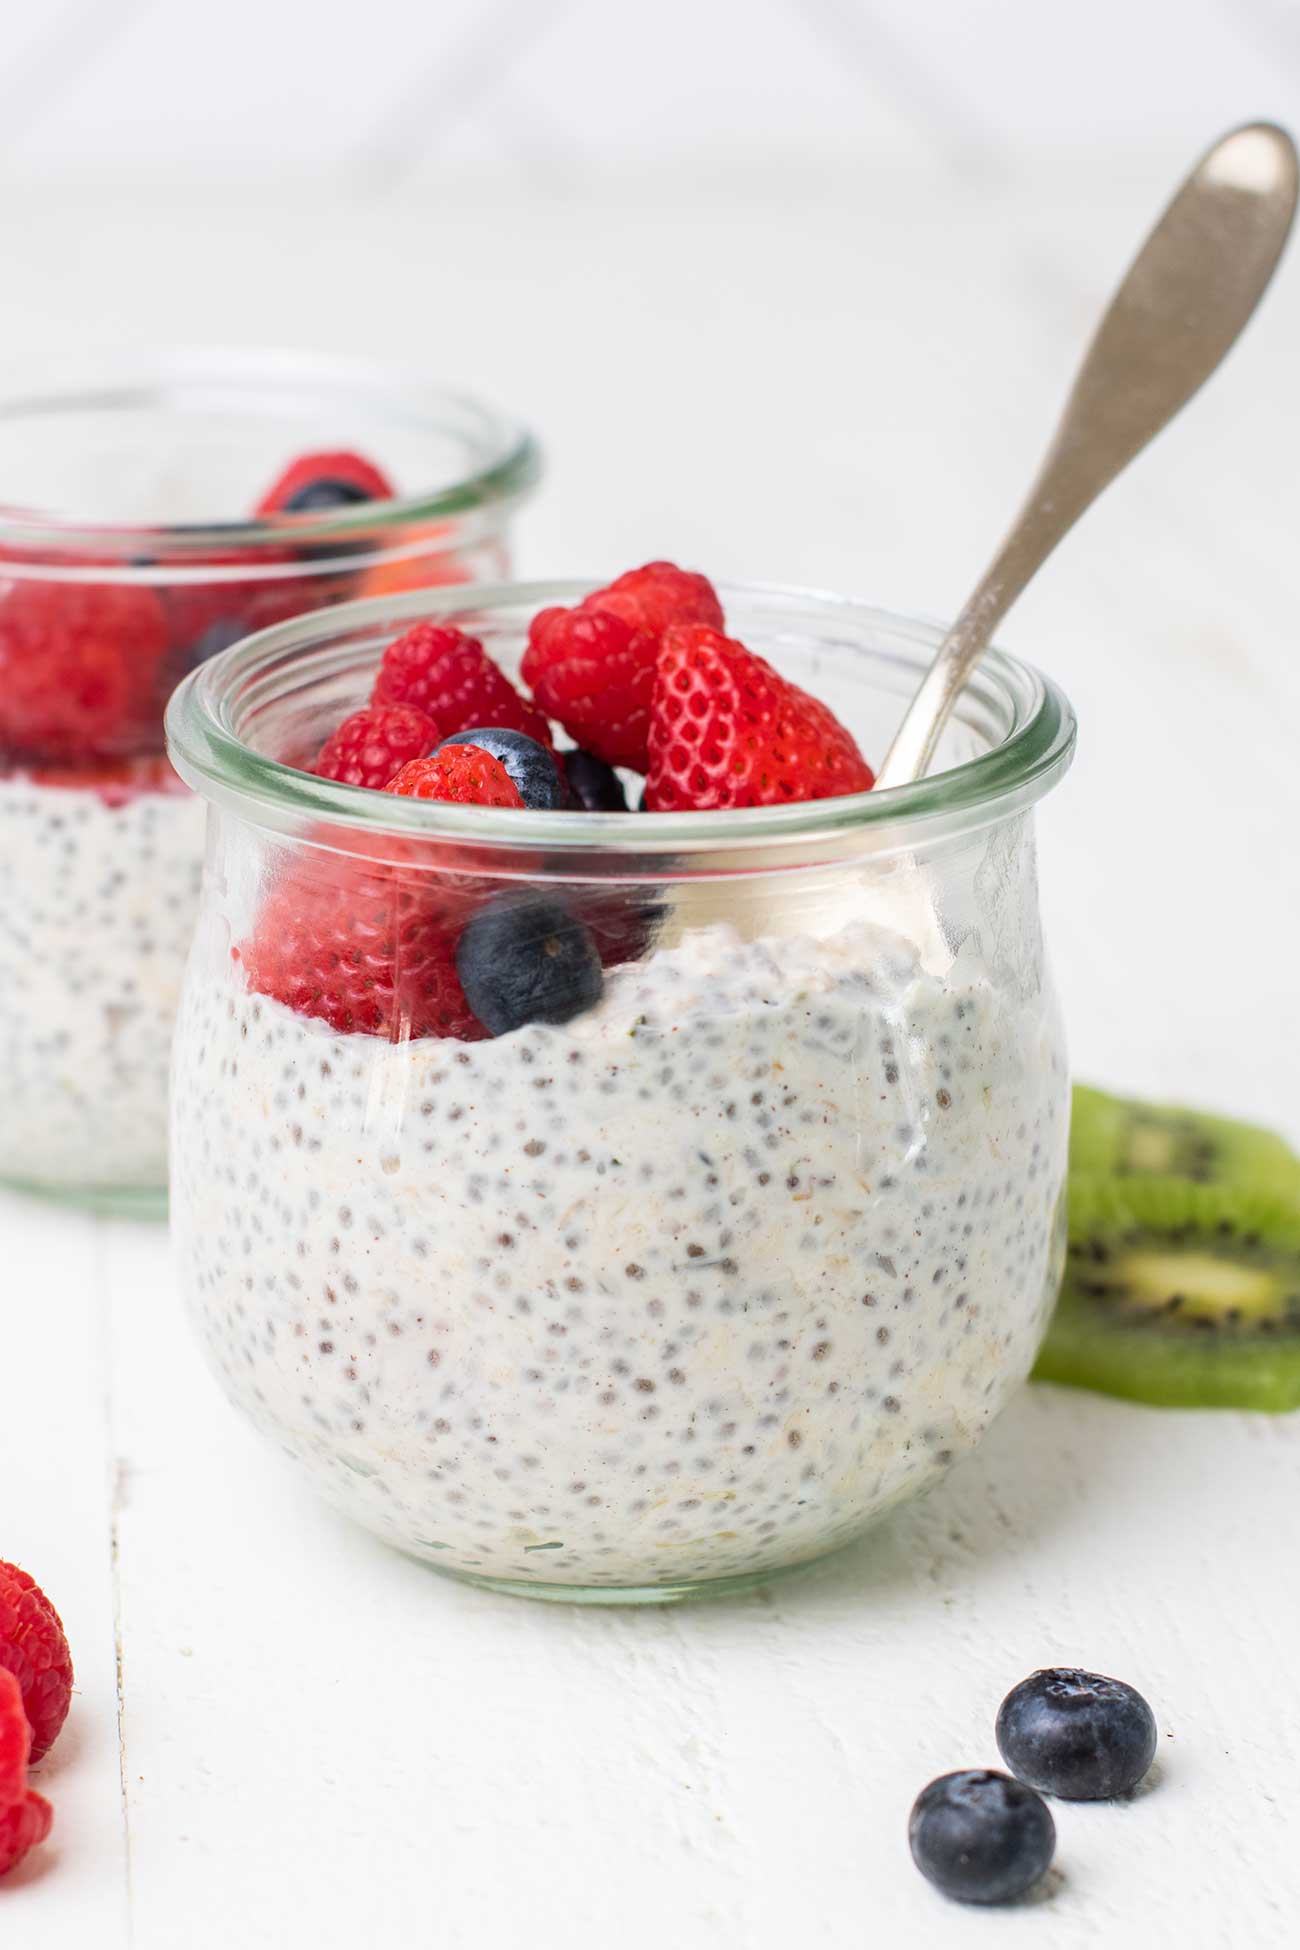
column 593, row 667
column 461, row 774
column 373, row 745
column 15, row 1740
column 315, row 483
column 595, row 673
column 25, row 1816
column 449, row 675
column 204, row 618
column 726, row 730
column 24, row 1825
column 34, row 1649
column 80, row 669
column 657, row 596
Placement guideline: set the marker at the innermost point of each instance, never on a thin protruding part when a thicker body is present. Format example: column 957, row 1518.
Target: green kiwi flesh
column 1119, row 1137
column 1180, row 1294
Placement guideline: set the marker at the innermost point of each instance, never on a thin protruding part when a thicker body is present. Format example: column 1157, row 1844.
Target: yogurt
column 98, row 895
column 692, row 1287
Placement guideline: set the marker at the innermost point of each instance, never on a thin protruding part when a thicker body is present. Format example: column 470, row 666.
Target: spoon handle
column 1187, row 296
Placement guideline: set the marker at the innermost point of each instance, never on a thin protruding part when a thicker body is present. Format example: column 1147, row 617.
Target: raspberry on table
column 450, row 676
column 25, row 1816
column 459, row 774
column 373, row 745
column 727, row 730
column 593, row 667
column 34, row 1648
column 314, row 483
column 23, row 1827
column 80, row 669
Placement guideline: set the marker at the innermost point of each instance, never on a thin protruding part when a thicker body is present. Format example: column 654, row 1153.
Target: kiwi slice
column 1118, row 1137
column 1183, row 1295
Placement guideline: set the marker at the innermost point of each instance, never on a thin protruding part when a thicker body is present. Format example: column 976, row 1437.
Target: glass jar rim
column 211, row 757
column 509, row 461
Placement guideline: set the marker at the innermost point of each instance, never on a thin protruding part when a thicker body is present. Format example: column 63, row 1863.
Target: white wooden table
column 286, row 1735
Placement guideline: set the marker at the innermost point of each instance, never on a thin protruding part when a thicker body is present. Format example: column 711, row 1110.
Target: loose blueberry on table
column 1077, row 1735
column 980, row 1836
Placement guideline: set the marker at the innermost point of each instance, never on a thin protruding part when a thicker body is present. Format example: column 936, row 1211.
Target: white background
column 393, row 94
column 790, row 291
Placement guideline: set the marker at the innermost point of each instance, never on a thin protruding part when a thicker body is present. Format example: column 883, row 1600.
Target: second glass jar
column 127, row 558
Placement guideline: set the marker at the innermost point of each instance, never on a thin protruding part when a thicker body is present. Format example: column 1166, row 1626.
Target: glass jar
column 127, row 557
column 694, row 1285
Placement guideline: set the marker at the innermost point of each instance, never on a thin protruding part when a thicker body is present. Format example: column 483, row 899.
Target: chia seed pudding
column 98, row 896
column 695, row 1285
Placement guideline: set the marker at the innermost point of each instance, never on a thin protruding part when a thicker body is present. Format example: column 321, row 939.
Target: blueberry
column 529, row 764
column 526, row 958
column 980, row 1836
column 593, row 785
column 1076, row 1734
column 317, row 497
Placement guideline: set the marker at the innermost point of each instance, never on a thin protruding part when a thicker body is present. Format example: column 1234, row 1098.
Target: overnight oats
column 147, row 525
column 606, row 1203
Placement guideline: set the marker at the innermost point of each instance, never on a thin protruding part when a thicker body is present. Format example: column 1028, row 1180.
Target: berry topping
column 593, row 785
column 1076, row 1734
column 204, row 618
column 526, row 958
column 369, row 951
column 449, row 675
column 34, row 1649
column 79, row 669
column 593, row 667
column 595, row 673
column 117, row 781
column 373, row 745
column 532, row 768
column 726, row 730
column 660, row 594
column 981, row 1837
column 461, row 774
column 314, row 483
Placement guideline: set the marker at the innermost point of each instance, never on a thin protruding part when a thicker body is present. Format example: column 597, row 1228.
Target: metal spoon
column 1187, row 296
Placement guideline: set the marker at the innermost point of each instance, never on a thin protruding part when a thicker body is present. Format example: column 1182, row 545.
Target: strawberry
column 450, row 676
column 80, row 669
column 370, row 948
column 315, row 483
column 593, row 667
column 461, row 774
column 726, row 730
column 367, row 949
column 373, row 745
